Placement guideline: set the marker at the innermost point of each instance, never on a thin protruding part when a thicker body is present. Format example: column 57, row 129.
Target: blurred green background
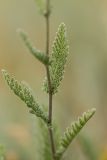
column 85, row 81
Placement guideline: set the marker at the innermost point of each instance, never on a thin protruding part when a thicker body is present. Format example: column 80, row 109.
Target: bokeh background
column 85, row 81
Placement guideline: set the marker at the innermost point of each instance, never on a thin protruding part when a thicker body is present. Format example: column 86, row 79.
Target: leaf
column 72, row 131
column 25, row 94
column 38, row 54
column 58, row 59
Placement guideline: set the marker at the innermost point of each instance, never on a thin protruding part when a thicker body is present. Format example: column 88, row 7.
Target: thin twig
column 47, row 16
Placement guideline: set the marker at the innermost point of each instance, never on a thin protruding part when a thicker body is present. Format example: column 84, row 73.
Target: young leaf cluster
column 72, row 131
column 25, row 94
column 58, row 59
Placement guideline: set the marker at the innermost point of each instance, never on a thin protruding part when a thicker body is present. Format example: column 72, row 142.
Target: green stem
column 47, row 15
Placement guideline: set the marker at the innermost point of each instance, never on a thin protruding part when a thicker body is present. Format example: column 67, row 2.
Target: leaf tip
column 93, row 110
column 4, row 72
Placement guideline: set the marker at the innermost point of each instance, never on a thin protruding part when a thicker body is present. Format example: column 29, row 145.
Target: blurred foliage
column 88, row 147
column 2, row 152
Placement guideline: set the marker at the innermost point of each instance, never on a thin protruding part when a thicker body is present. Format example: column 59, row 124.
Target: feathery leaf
column 58, row 59
column 25, row 94
column 72, row 131
column 38, row 54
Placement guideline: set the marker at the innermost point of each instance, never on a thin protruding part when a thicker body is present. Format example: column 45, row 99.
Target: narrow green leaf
column 25, row 94
column 58, row 59
column 38, row 54
column 72, row 131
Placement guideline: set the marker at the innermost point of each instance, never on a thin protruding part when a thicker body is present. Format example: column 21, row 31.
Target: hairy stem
column 47, row 16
